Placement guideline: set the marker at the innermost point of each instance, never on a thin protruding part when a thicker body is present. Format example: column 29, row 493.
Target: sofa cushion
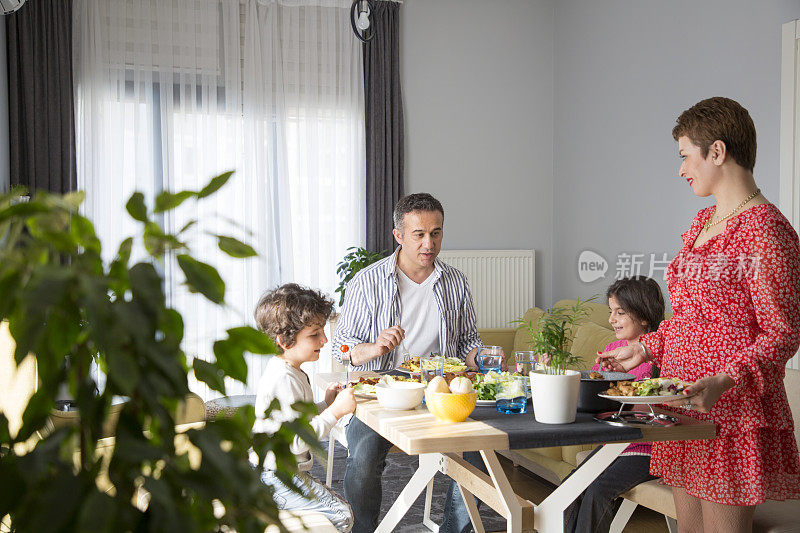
column 522, row 340
column 576, row 453
column 589, row 338
column 598, row 313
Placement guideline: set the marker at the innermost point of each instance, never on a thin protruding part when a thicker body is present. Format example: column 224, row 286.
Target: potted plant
column 63, row 300
column 554, row 386
column 357, row 259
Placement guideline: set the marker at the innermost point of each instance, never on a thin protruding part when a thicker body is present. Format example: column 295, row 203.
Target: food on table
column 451, row 364
column 486, row 385
column 649, row 387
column 438, row 384
column 366, row 386
column 461, row 385
column 595, row 375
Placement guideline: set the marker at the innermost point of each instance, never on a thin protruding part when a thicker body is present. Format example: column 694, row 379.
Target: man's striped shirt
column 372, row 304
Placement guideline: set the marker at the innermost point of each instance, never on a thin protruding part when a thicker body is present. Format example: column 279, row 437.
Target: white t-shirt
column 419, row 316
column 281, row 380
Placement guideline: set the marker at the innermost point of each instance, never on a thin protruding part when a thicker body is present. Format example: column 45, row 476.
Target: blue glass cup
column 511, row 396
column 490, row 358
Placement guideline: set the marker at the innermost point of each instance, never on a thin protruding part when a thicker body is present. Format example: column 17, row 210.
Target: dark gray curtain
column 384, row 125
column 41, row 111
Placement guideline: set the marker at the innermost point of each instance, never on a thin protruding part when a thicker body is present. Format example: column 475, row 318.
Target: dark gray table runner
column 525, row 432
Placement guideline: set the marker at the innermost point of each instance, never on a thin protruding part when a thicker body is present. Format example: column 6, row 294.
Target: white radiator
column 502, row 282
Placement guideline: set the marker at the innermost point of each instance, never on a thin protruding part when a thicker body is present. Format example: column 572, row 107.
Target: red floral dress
column 736, row 301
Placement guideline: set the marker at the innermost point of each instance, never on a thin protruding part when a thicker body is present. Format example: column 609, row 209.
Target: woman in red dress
column 735, row 293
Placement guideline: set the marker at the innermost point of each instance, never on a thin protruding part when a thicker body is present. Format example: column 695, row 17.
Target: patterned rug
column 399, row 468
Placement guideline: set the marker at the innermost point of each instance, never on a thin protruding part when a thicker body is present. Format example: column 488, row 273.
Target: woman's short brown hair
column 288, row 309
column 720, row 119
column 641, row 298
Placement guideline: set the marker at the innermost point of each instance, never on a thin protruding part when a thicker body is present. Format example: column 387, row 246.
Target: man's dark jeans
column 456, row 519
column 366, row 459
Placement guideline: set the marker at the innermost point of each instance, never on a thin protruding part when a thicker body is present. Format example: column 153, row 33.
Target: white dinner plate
column 638, row 400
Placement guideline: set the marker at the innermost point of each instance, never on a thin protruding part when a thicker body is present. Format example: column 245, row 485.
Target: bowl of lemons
column 450, row 403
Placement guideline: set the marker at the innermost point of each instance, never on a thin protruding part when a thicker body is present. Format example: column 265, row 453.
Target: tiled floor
column 400, row 467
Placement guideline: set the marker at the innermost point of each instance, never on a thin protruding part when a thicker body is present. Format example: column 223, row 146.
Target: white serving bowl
column 400, row 394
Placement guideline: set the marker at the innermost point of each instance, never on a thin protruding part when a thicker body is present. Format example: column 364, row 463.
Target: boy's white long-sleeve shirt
column 289, row 385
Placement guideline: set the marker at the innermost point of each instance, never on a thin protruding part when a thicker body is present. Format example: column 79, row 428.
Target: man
column 407, row 304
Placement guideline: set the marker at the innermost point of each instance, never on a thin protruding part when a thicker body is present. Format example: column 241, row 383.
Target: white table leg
column 472, row 509
column 426, row 516
column 512, row 507
column 428, row 466
column 549, row 515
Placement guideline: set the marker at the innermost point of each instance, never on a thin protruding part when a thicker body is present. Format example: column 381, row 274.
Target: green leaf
column 83, row 231
column 215, row 184
column 167, row 200
column 209, row 374
column 234, row 247
column 122, row 371
column 202, row 278
column 146, row 286
column 252, row 340
column 36, row 413
column 230, row 359
column 136, row 207
column 22, row 210
column 97, row 513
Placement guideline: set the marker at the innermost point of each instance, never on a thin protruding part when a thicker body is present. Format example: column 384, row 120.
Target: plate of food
column 365, row 387
column 452, row 365
column 485, row 386
column 648, row 391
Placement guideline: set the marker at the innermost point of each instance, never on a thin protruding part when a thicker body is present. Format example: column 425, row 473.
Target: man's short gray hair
column 420, row 201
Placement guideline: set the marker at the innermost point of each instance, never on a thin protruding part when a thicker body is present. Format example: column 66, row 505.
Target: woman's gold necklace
column 710, row 225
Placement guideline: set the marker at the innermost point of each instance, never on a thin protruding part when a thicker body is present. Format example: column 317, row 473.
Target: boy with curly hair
column 294, row 317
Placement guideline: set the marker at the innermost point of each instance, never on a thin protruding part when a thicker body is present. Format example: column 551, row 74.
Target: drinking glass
column 490, row 358
column 430, row 366
column 511, row 395
column 525, row 361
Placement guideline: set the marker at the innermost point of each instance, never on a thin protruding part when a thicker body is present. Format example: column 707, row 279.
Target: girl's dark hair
column 641, row 297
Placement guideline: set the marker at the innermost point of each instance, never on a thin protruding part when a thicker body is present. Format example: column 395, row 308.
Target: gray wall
column 624, row 70
column 546, row 124
column 478, row 91
column 4, row 149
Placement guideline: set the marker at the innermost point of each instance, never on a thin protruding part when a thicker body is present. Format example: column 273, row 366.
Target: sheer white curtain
column 171, row 92
column 303, row 109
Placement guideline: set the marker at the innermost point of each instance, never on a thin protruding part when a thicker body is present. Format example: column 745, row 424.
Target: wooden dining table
column 439, row 446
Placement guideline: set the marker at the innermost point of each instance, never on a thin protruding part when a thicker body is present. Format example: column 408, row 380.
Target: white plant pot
column 555, row 396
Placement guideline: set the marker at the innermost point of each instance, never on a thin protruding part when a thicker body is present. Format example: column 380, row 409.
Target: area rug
column 399, row 469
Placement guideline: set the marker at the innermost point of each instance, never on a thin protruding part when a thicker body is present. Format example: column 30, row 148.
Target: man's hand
column 387, row 341
column 704, row 393
column 330, row 393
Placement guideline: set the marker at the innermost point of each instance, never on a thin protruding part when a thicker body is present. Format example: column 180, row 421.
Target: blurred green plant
column 351, row 263
column 69, row 308
column 553, row 333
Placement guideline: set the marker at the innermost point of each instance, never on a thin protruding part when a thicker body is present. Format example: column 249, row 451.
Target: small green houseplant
column 69, row 307
column 357, row 259
column 553, row 333
column 554, row 387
